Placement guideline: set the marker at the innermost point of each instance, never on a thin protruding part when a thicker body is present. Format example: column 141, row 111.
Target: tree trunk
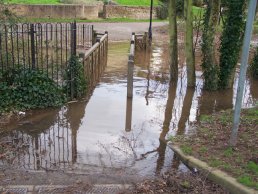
column 231, row 42
column 209, row 64
column 173, row 41
column 190, row 60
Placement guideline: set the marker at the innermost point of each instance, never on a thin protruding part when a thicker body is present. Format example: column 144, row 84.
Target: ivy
column 254, row 65
column 231, row 41
column 76, row 84
column 28, row 89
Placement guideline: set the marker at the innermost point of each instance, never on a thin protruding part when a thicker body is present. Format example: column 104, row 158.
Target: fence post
column 106, row 47
column 130, row 68
column 32, row 44
column 94, row 37
column 73, row 38
column 73, row 53
column 99, row 57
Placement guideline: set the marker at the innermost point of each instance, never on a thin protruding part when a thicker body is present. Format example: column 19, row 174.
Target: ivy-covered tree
column 209, row 64
column 254, row 65
column 231, row 41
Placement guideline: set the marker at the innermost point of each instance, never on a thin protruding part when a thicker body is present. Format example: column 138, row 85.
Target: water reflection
column 129, row 111
column 114, row 134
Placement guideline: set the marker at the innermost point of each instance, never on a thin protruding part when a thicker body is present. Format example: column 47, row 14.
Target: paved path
column 123, row 31
column 58, row 189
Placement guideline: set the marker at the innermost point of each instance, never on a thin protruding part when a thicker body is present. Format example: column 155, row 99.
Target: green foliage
column 186, row 149
column 254, row 65
column 75, row 79
column 253, row 167
column 136, row 2
column 247, row 180
column 206, row 118
column 198, row 3
column 180, row 7
column 163, row 10
column 28, row 89
column 6, row 16
column 228, row 152
column 231, row 41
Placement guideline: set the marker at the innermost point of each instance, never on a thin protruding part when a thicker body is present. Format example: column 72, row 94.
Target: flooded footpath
column 113, row 135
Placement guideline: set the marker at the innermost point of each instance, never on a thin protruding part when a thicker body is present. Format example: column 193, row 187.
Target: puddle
column 113, row 134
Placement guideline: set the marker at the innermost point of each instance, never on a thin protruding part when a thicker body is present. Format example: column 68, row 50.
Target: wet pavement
column 113, row 135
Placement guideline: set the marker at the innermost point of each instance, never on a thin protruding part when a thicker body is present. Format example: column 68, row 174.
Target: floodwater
column 113, row 134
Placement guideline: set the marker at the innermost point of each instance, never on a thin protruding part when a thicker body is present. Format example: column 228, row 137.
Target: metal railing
column 43, row 46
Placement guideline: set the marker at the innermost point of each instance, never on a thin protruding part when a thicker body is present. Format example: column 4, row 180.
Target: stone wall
column 132, row 12
column 56, row 11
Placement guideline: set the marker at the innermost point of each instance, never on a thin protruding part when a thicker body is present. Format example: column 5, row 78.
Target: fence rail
column 95, row 59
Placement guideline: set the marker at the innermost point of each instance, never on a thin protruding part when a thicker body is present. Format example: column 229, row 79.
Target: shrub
column 28, row 89
column 75, row 81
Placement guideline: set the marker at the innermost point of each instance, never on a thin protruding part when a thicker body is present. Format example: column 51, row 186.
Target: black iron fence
column 49, row 48
column 43, row 46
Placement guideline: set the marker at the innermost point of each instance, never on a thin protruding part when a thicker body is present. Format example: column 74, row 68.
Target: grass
column 32, row 1
column 136, row 2
column 210, row 144
column 247, row 181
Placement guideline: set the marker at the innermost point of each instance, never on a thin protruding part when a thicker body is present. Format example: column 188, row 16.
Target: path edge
column 217, row 176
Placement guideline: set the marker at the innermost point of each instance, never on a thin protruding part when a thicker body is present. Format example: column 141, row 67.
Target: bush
column 254, row 65
column 198, row 3
column 28, row 89
column 76, row 84
column 162, row 10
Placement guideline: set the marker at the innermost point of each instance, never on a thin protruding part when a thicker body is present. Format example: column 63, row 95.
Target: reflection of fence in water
column 53, row 149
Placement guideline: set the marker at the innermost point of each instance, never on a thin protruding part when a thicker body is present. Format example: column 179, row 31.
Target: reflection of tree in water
column 254, row 89
column 186, row 110
column 75, row 113
column 211, row 102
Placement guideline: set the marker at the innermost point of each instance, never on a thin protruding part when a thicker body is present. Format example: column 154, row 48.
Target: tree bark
column 173, row 41
column 190, row 60
column 209, row 64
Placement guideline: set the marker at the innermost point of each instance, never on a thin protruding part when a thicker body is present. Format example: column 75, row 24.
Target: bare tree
column 190, row 60
column 173, row 41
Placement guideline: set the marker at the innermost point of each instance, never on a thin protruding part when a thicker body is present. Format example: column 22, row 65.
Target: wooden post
column 129, row 109
column 130, row 68
column 130, row 77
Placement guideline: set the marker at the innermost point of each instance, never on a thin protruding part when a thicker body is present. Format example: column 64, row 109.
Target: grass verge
column 136, row 2
column 32, row 1
column 210, row 144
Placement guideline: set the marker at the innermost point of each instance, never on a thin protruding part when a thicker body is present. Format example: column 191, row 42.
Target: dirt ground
column 211, row 144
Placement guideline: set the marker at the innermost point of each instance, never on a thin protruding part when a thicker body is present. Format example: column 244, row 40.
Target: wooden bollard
column 130, row 77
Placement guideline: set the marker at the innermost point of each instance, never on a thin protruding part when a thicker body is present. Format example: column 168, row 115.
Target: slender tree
column 173, row 41
column 190, row 60
column 209, row 64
